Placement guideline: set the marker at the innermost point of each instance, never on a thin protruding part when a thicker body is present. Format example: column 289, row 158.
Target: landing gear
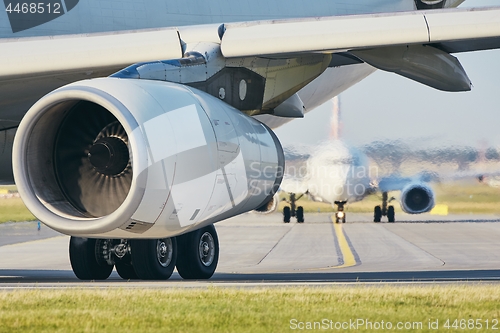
column 299, row 214
column 377, row 214
column 125, row 269
column 286, row 214
column 195, row 254
column 340, row 214
column 198, row 253
column 123, row 262
column 390, row 214
column 151, row 259
column 384, row 210
column 154, row 259
column 292, row 210
column 87, row 259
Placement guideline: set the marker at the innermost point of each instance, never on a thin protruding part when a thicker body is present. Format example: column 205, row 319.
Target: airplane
column 135, row 126
column 338, row 174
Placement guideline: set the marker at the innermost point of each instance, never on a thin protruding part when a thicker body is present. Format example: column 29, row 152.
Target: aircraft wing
column 397, row 42
column 398, row 183
column 453, row 30
column 90, row 52
column 32, row 67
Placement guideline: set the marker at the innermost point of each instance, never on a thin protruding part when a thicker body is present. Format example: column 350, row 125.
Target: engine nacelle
column 270, row 206
column 124, row 158
column 417, row 199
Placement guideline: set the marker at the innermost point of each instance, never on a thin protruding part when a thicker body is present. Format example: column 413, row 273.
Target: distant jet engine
column 270, row 206
column 124, row 158
column 417, row 199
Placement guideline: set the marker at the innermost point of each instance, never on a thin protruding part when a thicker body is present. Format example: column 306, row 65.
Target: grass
column 241, row 310
column 14, row 210
column 460, row 198
column 469, row 198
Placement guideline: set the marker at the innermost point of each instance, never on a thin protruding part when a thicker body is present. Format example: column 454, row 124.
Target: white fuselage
column 336, row 172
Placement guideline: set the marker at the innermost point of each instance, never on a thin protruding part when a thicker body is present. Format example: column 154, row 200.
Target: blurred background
column 406, row 128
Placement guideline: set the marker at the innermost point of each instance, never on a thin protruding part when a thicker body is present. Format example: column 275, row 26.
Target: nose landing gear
column 384, row 210
column 292, row 210
column 340, row 214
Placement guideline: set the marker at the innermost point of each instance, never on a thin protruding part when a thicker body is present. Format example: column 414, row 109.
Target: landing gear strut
column 292, row 211
column 195, row 255
column 123, row 264
column 384, row 210
column 340, row 214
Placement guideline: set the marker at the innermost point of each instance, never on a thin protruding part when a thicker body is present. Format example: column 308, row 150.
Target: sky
column 388, row 107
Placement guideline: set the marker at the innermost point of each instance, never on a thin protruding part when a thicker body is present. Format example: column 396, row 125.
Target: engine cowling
column 270, row 206
column 417, row 199
column 123, row 158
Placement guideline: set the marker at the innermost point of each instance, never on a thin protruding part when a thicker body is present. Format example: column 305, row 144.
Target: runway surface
column 259, row 250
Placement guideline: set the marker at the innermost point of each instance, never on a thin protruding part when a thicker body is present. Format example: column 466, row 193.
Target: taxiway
column 262, row 250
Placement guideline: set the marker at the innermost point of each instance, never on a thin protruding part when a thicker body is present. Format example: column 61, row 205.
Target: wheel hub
column 164, row 251
column 120, row 250
column 207, row 249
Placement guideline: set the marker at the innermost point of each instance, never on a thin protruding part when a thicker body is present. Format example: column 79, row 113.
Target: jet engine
column 270, row 206
column 124, row 158
column 417, row 199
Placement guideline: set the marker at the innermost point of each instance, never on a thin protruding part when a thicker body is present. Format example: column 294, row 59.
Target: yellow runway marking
column 440, row 210
column 347, row 254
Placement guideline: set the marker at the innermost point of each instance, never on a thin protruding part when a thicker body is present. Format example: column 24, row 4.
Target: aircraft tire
column 154, row 259
column 391, row 216
column 377, row 214
column 198, row 253
column 300, row 214
column 125, row 269
column 340, row 220
column 286, row 214
column 82, row 255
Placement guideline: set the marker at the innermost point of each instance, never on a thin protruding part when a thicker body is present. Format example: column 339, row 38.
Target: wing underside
column 414, row 44
column 453, row 30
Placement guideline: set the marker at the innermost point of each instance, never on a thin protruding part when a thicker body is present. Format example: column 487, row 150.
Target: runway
column 260, row 250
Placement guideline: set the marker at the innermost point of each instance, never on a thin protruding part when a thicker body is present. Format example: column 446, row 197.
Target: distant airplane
column 337, row 174
column 140, row 124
